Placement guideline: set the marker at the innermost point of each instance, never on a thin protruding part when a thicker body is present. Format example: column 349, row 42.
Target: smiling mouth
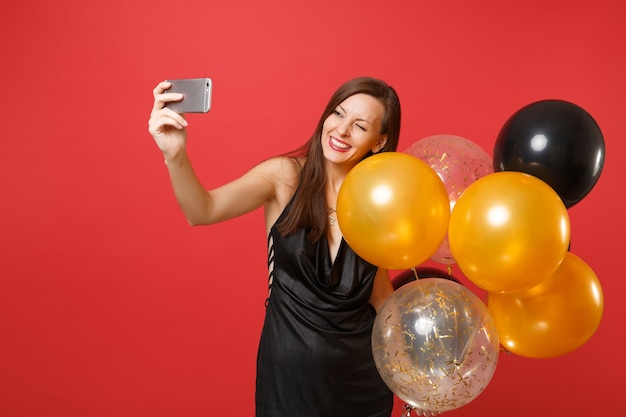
column 338, row 145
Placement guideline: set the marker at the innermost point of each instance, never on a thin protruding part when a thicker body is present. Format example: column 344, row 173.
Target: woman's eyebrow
column 358, row 119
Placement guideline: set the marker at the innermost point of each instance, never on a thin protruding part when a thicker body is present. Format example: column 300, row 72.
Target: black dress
column 315, row 356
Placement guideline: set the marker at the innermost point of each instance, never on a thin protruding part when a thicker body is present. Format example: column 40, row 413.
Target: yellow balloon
column 553, row 318
column 393, row 210
column 508, row 231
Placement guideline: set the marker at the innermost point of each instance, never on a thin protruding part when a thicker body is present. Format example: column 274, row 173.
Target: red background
column 110, row 305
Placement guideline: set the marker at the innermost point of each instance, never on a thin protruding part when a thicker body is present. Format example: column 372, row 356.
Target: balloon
column 554, row 318
column 508, row 232
column 458, row 162
column 556, row 141
column 393, row 210
column 421, row 272
column 435, row 344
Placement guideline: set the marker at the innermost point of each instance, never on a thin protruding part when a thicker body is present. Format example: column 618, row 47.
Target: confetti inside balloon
column 435, row 344
column 458, row 162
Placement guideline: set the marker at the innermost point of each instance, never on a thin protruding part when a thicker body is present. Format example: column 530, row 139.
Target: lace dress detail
column 270, row 267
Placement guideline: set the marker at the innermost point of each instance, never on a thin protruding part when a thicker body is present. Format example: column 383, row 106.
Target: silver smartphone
column 196, row 92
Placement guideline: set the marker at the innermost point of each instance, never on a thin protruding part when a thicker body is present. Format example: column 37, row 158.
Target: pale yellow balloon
column 508, row 231
column 393, row 210
column 553, row 318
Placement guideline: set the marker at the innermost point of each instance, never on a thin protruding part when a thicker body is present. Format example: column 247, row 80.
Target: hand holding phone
column 196, row 93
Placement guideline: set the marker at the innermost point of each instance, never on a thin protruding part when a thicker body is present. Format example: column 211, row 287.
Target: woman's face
column 353, row 129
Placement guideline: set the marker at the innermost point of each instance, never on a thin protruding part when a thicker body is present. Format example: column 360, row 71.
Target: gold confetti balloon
column 458, row 162
column 435, row 344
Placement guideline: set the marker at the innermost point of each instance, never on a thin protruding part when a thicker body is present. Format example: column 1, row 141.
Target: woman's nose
column 343, row 128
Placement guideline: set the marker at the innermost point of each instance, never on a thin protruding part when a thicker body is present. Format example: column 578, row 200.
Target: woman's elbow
column 198, row 221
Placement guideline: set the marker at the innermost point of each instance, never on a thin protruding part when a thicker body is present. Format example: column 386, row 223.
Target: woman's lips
column 338, row 145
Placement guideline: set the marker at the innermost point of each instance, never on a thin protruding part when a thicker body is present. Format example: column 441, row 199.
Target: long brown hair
column 308, row 209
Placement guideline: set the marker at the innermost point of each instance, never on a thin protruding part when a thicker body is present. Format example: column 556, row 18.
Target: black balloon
column 421, row 272
column 555, row 141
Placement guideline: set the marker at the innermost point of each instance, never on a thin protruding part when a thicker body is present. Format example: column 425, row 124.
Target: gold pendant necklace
column 331, row 220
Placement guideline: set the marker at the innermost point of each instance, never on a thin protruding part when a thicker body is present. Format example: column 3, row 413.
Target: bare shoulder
column 281, row 165
column 284, row 170
column 285, row 174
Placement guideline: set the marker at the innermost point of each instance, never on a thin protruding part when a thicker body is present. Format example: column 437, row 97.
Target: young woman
column 315, row 356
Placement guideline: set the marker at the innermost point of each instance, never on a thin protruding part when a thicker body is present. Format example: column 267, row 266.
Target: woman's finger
column 166, row 117
column 161, row 87
column 161, row 96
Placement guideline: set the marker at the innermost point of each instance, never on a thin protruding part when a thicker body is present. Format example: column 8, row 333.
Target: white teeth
column 338, row 144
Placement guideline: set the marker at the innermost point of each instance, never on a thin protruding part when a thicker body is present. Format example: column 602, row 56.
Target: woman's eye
column 337, row 113
column 361, row 127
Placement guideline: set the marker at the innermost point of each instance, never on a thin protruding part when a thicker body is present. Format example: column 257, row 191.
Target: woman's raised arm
column 201, row 206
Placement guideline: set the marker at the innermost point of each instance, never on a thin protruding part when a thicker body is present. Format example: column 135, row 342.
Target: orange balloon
column 555, row 317
column 393, row 210
column 508, row 231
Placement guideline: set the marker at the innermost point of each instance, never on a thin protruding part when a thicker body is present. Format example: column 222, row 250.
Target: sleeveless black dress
column 315, row 356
